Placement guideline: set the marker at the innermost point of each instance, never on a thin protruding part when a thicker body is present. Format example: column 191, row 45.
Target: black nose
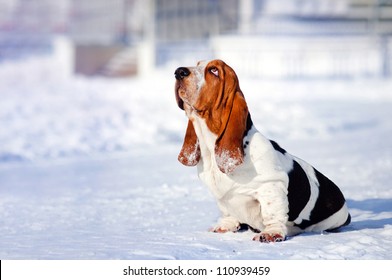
column 181, row 73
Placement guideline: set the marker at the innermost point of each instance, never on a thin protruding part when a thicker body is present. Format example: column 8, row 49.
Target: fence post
column 146, row 49
column 386, row 56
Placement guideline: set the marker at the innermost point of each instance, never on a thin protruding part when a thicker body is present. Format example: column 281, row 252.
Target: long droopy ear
column 229, row 150
column 190, row 152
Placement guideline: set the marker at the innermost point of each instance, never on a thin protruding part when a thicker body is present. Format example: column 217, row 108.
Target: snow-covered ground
column 88, row 167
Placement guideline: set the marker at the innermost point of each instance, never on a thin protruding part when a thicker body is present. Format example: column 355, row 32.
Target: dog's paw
column 218, row 230
column 227, row 224
column 269, row 237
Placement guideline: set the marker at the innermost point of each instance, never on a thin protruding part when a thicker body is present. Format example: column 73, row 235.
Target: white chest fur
column 209, row 173
column 235, row 192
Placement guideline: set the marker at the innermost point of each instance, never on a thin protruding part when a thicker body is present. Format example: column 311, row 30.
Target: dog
column 255, row 181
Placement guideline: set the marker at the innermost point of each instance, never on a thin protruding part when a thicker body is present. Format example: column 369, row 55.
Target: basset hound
column 257, row 184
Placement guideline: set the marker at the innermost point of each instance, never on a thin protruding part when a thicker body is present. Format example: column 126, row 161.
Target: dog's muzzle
column 180, row 74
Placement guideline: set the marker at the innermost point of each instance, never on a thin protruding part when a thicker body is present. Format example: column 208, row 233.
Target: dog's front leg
column 273, row 200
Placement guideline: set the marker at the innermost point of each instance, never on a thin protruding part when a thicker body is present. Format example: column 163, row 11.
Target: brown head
column 211, row 91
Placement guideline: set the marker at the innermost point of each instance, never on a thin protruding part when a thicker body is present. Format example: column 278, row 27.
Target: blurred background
column 262, row 38
column 81, row 77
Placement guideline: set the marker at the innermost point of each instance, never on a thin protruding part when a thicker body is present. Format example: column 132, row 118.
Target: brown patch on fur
column 223, row 106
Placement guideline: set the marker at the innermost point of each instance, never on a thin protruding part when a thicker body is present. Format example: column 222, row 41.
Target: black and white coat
column 272, row 191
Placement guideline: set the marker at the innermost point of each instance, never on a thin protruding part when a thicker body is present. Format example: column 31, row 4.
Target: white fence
column 289, row 57
column 296, row 57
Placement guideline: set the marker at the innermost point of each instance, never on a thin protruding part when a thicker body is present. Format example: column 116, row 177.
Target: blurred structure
column 26, row 26
column 314, row 38
column 260, row 38
column 103, row 36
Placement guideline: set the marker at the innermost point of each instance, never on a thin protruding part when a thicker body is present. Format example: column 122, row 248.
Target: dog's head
column 211, row 91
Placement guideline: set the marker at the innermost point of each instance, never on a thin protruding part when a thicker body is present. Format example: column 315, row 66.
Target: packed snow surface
column 89, row 170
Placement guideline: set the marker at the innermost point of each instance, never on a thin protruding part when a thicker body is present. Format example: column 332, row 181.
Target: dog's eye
column 214, row 71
